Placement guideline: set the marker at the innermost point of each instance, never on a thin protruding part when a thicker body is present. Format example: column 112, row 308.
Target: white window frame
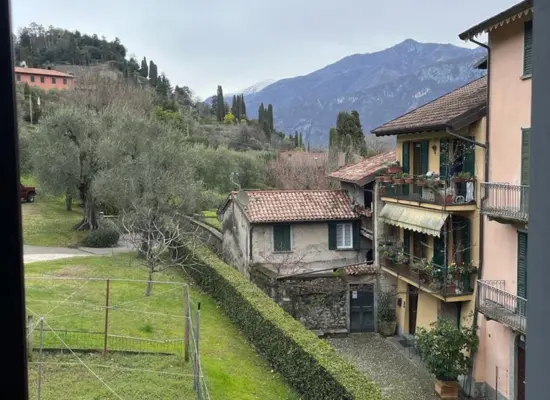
column 273, row 240
column 343, row 227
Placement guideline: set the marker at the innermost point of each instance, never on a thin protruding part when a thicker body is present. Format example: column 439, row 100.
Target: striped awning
column 414, row 219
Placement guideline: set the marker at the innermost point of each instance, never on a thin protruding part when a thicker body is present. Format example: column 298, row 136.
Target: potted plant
column 387, row 178
column 463, row 177
column 387, row 319
column 421, row 180
column 393, row 168
column 379, row 178
column 398, row 179
column 446, row 349
column 408, row 178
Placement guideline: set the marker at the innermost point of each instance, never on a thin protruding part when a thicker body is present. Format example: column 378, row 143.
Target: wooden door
column 362, row 309
column 413, row 307
column 521, row 370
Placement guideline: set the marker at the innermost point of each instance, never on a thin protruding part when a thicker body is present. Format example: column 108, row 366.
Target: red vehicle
column 28, row 193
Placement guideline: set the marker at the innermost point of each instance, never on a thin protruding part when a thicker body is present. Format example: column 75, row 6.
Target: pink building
column 502, row 289
column 46, row 79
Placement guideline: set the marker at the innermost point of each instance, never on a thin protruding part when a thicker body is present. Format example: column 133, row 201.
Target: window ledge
column 282, row 252
column 345, row 249
column 525, row 77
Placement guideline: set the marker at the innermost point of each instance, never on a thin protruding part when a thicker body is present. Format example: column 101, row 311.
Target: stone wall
column 319, row 303
column 208, row 236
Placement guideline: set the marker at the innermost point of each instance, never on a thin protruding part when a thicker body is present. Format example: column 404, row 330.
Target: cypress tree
column 153, row 73
column 296, row 141
column 220, row 104
column 214, row 109
column 235, row 107
column 144, row 70
column 301, row 141
column 308, row 147
column 270, row 117
column 243, row 107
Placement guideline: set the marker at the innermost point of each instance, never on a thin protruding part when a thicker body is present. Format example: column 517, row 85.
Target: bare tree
column 299, row 170
column 284, row 264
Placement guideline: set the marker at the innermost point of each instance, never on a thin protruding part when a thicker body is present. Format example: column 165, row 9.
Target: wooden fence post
column 106, row 317
column 186, row 306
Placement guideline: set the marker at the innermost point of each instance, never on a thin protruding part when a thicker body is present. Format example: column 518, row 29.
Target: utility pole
column 538, row 325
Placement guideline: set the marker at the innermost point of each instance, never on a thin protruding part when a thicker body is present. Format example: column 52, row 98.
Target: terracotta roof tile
column 451, row 109
column 298, row 205
column 360, row 269
column 361, row 170
column 40, row 71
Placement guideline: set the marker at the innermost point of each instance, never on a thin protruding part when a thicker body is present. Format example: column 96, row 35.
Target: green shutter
column 525, row 159
column 423, row 157
column 332, row 236
column 444, row 158
column 356, row 235
column 405, row 161
column 406, row 241
column 469, row 157
column 281, row 238
column 439, row 251
column 528, row 48
column 522, row 264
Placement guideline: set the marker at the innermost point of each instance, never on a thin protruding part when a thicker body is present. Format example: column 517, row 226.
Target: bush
column 309, row 364
column 104, row 237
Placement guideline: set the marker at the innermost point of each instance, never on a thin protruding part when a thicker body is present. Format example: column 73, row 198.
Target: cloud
column 205, row 43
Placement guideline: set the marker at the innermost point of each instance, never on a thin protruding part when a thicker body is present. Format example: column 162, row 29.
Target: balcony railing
column 428, row 276
column 453, row 192
column 503, row 200
column 497, row 304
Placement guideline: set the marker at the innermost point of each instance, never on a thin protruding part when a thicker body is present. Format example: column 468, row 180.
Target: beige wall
column 235, row 229
column 309, row 248
column 357, row 193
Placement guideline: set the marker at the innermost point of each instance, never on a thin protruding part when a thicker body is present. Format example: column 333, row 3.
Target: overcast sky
column 203, row 43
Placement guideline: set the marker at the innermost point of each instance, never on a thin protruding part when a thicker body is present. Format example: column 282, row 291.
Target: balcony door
column 419, row 160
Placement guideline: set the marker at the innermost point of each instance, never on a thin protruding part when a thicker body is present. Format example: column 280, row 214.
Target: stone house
column 305, row 250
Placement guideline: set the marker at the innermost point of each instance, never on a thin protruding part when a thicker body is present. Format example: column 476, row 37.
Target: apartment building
column 499, row 368
column 427, row 209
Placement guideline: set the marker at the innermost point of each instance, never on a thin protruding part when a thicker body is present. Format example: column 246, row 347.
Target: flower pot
column 447, row 390
column 393, row 170
column 408, row 181
column 398, row 181
column 387, row 179
column 451, row 288
column 387, row 328
column 459, row 179
column 421, row 182
column 379, row 179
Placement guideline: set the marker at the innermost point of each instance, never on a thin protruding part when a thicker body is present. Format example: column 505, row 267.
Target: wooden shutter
column 332, row 236
column 439, row 251
column 423, row 157
column 525, row 159
column 444, row 158
column 281, row 237
column 528, row 48
column 356, row 235
column 467, row 255
column 522, row 264
column 406, row 241
column 405, row 161
column 469, row 157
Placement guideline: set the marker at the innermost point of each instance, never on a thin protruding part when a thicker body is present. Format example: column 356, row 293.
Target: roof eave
column 294, row 221
column 478, row 29
column 469, row 117
column 410, row 130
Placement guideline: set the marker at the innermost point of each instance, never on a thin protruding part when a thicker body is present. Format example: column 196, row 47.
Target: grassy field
column 211, row 219
column 46, row 223
column 233, row 370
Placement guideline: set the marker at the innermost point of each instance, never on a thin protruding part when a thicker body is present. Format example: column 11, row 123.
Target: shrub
column 309, row 364
column 104, row 237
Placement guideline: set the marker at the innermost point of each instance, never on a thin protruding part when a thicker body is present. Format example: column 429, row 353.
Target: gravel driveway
column 398, row 378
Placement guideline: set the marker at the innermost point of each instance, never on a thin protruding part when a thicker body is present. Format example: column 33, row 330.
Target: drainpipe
column 486, row 179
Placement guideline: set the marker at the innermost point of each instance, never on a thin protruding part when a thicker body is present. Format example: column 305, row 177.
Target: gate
column 362, row 309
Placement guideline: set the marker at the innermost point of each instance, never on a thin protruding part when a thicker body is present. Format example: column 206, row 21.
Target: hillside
column 381, row 86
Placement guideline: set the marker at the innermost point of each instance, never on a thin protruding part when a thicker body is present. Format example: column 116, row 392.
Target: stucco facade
column 44, row 78
column 497, row 361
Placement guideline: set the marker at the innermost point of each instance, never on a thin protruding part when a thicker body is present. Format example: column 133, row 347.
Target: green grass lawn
column 210, row 217
column 232, row 369
column 46, row 223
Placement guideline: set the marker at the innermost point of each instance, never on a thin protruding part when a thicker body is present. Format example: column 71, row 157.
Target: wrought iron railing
column 428, row 276
column 505, row 201
column 441, row 192
column 497, row 304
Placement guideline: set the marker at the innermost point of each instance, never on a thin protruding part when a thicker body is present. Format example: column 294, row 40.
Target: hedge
column 307, row 363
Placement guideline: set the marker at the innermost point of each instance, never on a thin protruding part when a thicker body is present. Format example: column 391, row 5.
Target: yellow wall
column 428, row 307
column 401, row 312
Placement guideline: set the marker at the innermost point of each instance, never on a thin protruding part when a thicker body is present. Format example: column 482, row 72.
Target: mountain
column 381, row 86
column 254, row 88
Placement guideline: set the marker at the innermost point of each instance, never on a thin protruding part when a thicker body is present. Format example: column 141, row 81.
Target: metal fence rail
column 496, row 303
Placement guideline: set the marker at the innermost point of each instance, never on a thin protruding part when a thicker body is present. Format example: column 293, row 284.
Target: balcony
column 456, row 193
column 497, row 304
column 447, row 283
column 503, row 201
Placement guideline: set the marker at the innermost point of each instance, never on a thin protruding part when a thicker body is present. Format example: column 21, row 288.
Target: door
column 413, row 306
column 362, row 309
column 521, row 369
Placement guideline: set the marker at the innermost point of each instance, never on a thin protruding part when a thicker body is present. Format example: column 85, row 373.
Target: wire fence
column 74, row 320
